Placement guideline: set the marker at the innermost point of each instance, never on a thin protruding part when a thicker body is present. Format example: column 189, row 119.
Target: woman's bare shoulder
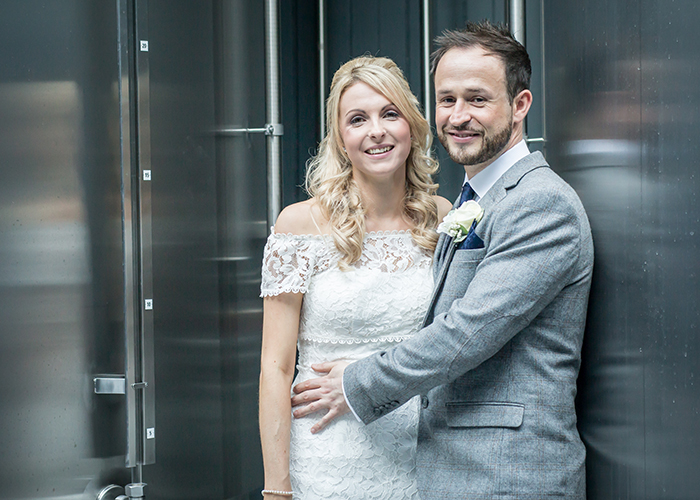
column 301, row 218
column 444, row 206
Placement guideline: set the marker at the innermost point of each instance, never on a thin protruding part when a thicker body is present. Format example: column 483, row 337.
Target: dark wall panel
column 299, row 79
column 391, row 28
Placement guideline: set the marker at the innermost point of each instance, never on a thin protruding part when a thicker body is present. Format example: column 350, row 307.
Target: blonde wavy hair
column 329, row 174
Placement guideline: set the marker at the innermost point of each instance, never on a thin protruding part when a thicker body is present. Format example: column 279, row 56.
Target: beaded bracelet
column 278, row 492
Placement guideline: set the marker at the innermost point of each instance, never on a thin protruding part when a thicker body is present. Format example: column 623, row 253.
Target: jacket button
column 424, row 401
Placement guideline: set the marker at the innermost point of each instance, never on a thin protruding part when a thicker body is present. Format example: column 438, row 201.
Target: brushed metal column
column 274, row 140
column 145, row 383
column 130, row 311
column 322, row 66
column 427, row 98
column 136, row 206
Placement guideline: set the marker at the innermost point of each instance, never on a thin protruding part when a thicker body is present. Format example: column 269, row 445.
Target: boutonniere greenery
column 459, row 220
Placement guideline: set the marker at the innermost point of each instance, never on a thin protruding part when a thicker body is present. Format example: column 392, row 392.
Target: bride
column 345, row 274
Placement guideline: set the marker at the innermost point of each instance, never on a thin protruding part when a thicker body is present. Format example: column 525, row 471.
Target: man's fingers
column 305, row 398
column 323, row 367
column 321, row 424
column 307, row 385
column 306, row 410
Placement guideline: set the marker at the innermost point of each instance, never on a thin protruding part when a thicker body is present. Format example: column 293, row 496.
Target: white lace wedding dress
column 349, row 315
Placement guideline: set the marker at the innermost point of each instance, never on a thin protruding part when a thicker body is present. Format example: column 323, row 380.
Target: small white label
column 146, row 175
column 144, row 45
column 149, row 304
column 151, row 433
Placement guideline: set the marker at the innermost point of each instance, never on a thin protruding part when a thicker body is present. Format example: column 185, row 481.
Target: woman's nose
column 377, row 130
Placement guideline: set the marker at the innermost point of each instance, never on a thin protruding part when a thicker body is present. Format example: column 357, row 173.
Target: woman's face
column 376, row 137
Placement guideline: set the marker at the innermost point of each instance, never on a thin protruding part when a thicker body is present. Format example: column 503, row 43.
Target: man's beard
column 490, row 147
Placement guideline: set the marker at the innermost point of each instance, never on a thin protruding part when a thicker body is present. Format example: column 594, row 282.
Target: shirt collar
column 483, row 181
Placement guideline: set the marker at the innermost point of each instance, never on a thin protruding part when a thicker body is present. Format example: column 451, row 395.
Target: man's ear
column 521, row 105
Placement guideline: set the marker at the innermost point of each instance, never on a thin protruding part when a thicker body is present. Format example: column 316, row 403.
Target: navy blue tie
column 467, row 194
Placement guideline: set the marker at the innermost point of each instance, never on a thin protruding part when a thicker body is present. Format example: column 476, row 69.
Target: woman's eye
column 356, row 120
column 392, row 115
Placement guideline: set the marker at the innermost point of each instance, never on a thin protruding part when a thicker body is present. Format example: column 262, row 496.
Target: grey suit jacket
column 497, row 363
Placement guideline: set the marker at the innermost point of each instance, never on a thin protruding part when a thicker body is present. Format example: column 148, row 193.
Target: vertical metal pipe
column 274, row 149
column 516, row 16
column 517, row 20
column 544, row 79
column 322, row 65
column 427, row 102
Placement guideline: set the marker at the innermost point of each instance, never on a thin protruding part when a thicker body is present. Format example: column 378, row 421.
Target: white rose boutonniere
column 458, row 221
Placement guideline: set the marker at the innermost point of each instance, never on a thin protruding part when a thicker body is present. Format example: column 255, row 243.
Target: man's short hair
column 496, row 40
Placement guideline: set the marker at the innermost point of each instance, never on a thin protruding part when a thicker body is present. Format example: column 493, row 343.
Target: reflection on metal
column 274, row 142
column 427, row 96
column 322, row 66
column 109, row 385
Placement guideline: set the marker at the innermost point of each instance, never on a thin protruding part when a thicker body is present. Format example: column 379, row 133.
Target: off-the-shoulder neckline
column 376, row 234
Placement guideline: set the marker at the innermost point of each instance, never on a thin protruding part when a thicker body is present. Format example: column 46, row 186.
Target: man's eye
column 478, row 100
column 447, row 100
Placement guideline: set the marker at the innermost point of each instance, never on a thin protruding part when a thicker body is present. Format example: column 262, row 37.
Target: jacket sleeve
column 533, row 252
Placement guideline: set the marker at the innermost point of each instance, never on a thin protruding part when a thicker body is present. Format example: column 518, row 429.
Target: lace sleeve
column 288, row 263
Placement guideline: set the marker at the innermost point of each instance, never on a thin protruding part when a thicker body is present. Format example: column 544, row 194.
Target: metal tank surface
column 123, row 210
column 623, row 102
column 61, row 278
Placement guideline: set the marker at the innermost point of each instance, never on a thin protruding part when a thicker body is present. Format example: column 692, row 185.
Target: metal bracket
column 529, row 140
column 110, row 385
column 270, row 129
column 135, row 490
column 274, row 129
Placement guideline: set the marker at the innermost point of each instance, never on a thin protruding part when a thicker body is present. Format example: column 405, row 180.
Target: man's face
column 473, row 114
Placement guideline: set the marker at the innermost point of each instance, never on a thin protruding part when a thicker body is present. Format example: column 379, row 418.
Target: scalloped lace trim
column 280, row 291
column 388, row 232
column 291, row 260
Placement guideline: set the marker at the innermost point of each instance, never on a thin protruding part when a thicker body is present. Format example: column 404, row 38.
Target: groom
column 497, row 360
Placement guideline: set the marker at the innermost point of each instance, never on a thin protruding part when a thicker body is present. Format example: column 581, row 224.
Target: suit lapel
column 494, row 195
